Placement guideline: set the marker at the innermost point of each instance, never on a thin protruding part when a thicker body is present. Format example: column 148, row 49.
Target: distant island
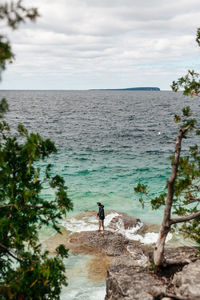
column 130, row 89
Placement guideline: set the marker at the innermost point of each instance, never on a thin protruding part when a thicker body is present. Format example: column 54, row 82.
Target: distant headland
column 130, row 89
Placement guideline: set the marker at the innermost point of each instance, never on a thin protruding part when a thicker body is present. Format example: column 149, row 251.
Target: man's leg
column 103, row 225
column 99, row 225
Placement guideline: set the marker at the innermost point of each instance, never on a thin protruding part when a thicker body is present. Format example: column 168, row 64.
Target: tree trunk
column 158, row 254
column 165, row 227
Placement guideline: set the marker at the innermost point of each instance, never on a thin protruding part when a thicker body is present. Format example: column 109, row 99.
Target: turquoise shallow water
column 85, row 289
column 107, row 141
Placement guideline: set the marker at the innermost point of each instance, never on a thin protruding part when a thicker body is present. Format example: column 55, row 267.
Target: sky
column 94, row 44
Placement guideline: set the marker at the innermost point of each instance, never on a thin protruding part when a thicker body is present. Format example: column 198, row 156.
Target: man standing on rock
column 101, row 216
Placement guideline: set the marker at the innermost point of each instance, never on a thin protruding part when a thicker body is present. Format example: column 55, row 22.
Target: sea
column 107, row 142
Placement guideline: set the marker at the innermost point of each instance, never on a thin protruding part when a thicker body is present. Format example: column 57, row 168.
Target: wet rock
column 187, row 282
column 124, row 221
column 97, row 267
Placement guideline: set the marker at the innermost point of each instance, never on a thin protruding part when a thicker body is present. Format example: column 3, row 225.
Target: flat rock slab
column 91, row 242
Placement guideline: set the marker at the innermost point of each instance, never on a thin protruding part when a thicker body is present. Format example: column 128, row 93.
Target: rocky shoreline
column 128, row 275
column 174, row 282
column 126, row 264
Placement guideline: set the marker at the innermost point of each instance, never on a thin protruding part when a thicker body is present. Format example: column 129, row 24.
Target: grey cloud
column 108, row 37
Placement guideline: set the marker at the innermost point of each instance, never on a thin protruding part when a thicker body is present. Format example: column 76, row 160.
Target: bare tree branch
column 185, row 218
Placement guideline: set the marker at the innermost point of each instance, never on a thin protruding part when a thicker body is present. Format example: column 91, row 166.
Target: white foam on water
column 148, row 238
column 80, row 287
column 109, row 218
column 130, row 232
column 75, row 225
column 90, row 223
column 84, row 293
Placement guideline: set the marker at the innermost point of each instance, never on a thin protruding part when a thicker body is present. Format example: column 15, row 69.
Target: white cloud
column 109, row 43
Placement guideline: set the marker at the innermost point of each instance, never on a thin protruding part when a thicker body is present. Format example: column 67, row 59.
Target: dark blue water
column 107, row 141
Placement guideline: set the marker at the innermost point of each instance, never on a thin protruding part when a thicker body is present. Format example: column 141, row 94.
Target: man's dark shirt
column 101, row 213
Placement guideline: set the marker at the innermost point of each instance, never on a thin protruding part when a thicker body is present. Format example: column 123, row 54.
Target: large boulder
column 123, row 222
column 187, row 282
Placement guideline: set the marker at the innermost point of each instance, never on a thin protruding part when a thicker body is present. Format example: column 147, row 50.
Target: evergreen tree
column 27, row 271
column 182, row 200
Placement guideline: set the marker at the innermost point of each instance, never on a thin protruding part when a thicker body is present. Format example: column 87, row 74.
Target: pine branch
column 26, row 205
column 192, row 200
column 10, row 253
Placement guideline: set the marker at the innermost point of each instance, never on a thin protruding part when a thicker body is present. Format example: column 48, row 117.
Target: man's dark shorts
column 101, row 221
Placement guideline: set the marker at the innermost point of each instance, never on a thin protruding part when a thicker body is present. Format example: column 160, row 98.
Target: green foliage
column 192, row 228
column 141, row 188
column 190, row 84
column 62, row 251
column 3, row 107
column 186, row 111
column 23, row 212
column 187, row 185
column 177, row 118
column 186, row 191
column 14, row 13
column 27, row 272
column 152, row 267
column 157, row 202
column 198, row 36
column 6, row 55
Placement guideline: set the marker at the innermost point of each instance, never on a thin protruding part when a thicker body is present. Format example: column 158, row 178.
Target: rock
column 129, row 283
column 116, row 246
column 126, row 260
column 127, row 280
column 179, row 253
column 187, row 282
column 94, row 242
column 123, row 221
column 157, row 291
column 138, row 260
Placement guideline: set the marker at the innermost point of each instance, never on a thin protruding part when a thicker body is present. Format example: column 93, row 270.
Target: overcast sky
column 83, row 44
